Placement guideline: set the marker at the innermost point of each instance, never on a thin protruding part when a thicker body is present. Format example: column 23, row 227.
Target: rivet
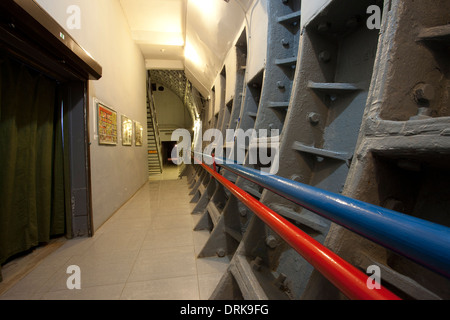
column 243, row 212
column 352, row 22
column 221, row 252
column 323, row 27
column 314, row 118
column 280, row 281
column 280, row 85
column 256, row 263
column 271, row 242
column 394, row 204
column 325, row 56
column 424, row 93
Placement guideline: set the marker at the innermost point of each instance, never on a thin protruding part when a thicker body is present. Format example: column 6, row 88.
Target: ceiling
column 159, row 28
column 190, row 35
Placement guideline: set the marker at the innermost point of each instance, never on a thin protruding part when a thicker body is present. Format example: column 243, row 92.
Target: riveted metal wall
column 401, row 160
column 362, row 112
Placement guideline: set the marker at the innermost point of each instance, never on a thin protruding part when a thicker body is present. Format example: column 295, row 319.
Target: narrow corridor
column 147, row 250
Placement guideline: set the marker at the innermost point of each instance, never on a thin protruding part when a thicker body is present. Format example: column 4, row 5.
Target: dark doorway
column 44, row 145
column 167, row 148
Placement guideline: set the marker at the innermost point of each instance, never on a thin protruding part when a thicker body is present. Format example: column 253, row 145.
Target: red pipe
column 347, row 278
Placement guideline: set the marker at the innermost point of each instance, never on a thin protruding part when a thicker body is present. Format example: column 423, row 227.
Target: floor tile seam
column 178, row 247
column 132, row 267
column 162, row 278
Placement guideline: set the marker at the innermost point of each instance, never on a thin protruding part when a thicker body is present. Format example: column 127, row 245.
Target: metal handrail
column 422, row 241
column 348, row 279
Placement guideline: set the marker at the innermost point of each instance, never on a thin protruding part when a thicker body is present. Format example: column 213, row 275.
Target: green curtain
column 31, row 159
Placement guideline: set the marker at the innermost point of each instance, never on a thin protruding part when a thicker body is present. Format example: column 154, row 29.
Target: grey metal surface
column 364, row 113
column 401, row 159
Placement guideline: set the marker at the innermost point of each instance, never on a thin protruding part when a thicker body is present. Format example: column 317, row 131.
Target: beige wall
column 170, row 112
column 119, row 171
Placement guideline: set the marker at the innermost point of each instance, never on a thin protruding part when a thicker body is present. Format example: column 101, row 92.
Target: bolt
column 256, row 264
column 243, row 212
column 280, row 85
column 297, row 178
column 221, row 252
column 323, row 27
column 314, row 118
column 424, row 93
column 271, row 242
column 285, row 43
column 280, row 281
column 394, row 204
column 352, row 23
column 325, row 56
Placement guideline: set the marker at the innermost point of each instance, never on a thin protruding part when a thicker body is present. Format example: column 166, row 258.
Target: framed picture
column 139, row 131
column 107, row 125
column 127, row 131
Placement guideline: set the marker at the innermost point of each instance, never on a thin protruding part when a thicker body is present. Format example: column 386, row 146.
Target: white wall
column 171, row 113
column 119, row 171
column 230, row 67
column 211, row 29
column 257, row 38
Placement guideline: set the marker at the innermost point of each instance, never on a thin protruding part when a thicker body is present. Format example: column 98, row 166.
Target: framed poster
column 107, row 125
column 139, row 131
column 127, row 131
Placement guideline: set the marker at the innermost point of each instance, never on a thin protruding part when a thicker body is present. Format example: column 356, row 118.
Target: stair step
column 292, row 61
column 343, row 156
column 333, row 87
column 284, row 104
column 290, row 18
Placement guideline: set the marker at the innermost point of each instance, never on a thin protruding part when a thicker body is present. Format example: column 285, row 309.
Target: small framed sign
column 107, row 125
column 127, row 131
column 139, row 132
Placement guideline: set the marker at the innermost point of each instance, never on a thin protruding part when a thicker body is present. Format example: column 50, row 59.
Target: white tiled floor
column 147, row 250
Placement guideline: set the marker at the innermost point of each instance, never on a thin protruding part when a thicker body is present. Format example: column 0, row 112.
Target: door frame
column 30, row 34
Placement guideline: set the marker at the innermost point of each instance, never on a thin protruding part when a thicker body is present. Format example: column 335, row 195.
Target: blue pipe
column 422, row 241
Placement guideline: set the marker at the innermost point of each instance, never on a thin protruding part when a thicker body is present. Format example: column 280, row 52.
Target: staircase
column 154, row 143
